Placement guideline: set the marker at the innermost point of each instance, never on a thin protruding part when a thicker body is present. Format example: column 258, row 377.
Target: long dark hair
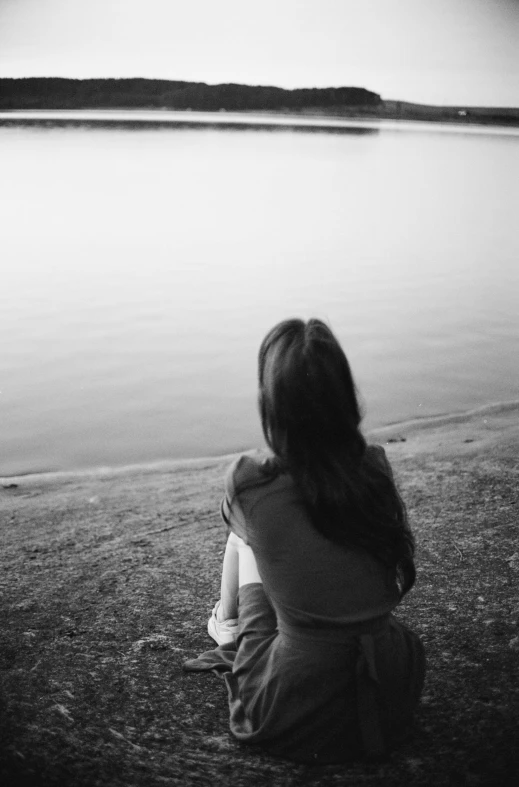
column 311, row 420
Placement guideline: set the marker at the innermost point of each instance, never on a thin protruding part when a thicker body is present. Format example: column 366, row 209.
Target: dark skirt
column 317, row 695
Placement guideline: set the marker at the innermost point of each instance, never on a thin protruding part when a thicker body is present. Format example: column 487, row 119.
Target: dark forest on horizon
column 59, row 93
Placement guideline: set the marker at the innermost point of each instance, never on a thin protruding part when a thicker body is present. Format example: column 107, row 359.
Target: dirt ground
column 107, row 579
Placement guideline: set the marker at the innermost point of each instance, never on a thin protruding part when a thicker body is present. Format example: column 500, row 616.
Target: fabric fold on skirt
column 317, row 696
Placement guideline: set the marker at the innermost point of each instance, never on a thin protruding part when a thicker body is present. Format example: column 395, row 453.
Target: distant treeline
column 58, row 93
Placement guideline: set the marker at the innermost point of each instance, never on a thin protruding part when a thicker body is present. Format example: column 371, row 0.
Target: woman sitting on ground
column 319, row 555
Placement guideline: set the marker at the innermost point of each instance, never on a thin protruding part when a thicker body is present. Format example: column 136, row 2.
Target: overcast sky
column 433, row 51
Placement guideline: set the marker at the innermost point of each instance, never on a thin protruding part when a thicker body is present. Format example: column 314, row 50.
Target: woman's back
column 311, row 581
column 320, row 671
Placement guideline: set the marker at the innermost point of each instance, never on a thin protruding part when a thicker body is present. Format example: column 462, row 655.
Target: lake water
column 141, row 267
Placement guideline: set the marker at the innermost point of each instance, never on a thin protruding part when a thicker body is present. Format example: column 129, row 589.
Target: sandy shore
column 108, row 577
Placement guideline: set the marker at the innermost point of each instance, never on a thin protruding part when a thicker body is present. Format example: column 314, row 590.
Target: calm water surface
column 140, row 269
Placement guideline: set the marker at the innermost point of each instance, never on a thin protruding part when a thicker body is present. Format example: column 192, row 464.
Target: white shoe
column 222, row 631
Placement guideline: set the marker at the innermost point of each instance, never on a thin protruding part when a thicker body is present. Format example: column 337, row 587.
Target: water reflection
column 160, row 121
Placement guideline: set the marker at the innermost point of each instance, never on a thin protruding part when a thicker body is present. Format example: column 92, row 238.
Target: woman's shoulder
column 258, row 467
column 376, row 450
column 250, row 469
column 376, row 455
